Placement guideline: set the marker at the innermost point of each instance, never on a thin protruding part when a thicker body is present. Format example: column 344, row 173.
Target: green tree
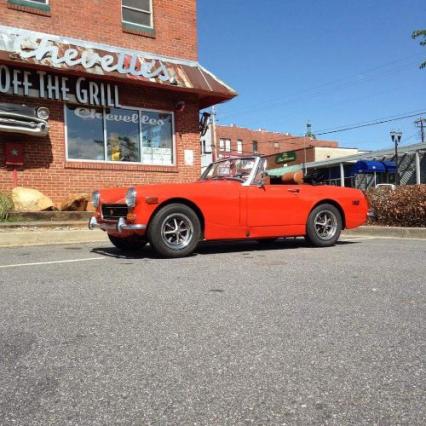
column 422, row 35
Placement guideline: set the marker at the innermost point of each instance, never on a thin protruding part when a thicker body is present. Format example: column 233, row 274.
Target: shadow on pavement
column 216, row 247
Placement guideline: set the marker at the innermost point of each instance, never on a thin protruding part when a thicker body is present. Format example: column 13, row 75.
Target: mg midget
column 235, row 198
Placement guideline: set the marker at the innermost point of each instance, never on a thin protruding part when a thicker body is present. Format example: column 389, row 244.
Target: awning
column 390, row 166
column 368, row 167
column 74, row 56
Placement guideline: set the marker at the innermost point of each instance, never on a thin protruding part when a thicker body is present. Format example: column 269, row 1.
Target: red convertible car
column 234, row 199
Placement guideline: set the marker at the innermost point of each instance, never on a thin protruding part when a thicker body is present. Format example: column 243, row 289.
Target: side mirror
column 264, row 179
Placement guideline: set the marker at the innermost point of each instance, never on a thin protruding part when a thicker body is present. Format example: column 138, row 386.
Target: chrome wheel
column 177, row 231
column 325, row 224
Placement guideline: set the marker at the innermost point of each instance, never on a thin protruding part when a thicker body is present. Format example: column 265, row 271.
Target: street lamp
column 396, row 139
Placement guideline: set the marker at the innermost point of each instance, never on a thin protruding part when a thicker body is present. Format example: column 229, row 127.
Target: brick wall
column 267, row 142
column 175, row 29
column 47, row 170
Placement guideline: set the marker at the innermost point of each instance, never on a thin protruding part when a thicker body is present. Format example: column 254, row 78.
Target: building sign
column 39, row 84
column 285, row 157
column 57, row 52
column 21, row 47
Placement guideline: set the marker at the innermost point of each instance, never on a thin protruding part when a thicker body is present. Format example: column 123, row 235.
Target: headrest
column 293, row 177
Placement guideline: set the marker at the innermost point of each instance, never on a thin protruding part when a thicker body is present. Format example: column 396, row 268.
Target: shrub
column 405, row 206
column 6, row 205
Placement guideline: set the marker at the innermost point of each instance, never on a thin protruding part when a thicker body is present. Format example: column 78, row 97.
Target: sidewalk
column 387, row 232
column 45, row 233
column 34, row 236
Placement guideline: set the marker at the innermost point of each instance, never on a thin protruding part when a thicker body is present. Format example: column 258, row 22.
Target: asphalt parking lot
column 237, row 334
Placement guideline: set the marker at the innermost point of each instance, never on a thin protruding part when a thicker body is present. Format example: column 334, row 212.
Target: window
column 239, row 146
column 122, row 135
column 254, row 146
column 40, row 5
column 137, row 12
column 225, row 145
column 205, row 147
column 119, row 135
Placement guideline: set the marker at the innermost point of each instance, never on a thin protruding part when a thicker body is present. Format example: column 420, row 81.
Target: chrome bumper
column 120, row 226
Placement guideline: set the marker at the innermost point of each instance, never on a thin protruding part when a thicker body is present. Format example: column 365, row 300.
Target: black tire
column 324, row 226
column 128, row 243
column 174, row 231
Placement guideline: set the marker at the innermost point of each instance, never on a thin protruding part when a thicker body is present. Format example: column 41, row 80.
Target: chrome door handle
column 293, row 190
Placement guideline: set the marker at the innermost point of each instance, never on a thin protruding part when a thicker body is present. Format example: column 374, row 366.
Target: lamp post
column 396, row 139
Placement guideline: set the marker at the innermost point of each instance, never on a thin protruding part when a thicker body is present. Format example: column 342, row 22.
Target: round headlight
column 43, row 113
column 96, row 198
column 131, row 197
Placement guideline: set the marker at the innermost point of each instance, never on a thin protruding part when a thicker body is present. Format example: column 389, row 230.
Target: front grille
column 114, row 211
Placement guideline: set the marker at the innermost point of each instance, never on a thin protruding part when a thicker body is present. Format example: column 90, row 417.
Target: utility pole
column 421, row 124
column 214, row 144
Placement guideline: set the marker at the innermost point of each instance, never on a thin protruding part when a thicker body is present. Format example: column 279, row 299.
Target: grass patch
column 6, row 205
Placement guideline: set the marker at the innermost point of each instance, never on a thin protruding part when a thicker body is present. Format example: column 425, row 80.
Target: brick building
column 234, row 140
column 122, row 86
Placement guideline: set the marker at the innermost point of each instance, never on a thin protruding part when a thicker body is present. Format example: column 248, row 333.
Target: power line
column 374, row 123
column 339, row 129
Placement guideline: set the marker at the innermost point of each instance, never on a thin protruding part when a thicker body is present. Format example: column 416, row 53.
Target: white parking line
column 52, row 262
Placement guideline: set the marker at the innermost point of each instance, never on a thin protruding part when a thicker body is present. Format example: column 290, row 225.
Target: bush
column 405, row 206
column 6, row 205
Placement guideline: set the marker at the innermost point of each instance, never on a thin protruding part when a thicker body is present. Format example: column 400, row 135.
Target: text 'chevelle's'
column 235, row 198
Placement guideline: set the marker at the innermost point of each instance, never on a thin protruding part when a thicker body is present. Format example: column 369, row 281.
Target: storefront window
column 122, row 126
column 85, row 133
column 157, row 137
column 120, row 135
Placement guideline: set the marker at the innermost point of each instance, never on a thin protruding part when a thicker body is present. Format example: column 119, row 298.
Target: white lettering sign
column 43, row 49
column 117, row 116
column 43, row 85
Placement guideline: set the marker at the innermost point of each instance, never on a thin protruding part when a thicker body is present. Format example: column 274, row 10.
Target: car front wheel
column 324, row 226
column 175, row 231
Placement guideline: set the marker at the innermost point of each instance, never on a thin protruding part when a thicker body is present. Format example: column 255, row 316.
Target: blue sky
column 333, row 62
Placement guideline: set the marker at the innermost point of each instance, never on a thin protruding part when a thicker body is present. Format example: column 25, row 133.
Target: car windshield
column 231, row 168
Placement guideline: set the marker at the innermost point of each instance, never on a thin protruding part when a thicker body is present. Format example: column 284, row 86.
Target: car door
column 275, row 207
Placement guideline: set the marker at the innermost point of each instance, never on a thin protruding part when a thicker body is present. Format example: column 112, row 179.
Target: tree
column 422, row 34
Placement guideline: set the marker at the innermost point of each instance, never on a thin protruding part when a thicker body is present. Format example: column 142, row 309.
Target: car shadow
column 215, row 247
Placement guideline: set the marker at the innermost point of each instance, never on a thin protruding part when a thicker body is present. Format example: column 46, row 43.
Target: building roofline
column 368, row 155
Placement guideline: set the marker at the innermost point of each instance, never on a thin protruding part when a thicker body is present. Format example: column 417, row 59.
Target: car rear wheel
column 324, row 226
column 175, row 231
column 132, row 243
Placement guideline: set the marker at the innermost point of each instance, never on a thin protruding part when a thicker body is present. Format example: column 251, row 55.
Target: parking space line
column 52, row 262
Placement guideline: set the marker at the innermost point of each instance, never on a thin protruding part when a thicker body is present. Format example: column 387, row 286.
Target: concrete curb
column 387, row 232
column 39, row 237
column 43, row 224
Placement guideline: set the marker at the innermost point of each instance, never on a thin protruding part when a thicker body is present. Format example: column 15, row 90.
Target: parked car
column 234, row 199
column 24, row 119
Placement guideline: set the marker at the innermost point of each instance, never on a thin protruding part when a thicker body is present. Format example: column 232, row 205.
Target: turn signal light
column 131, row 217
column 151, row 200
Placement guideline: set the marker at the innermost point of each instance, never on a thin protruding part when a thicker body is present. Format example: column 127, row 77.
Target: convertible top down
column 235, row 198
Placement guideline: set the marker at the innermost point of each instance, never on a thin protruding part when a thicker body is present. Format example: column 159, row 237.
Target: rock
column 90, row 208
column 75, row 202
column 30, row 200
